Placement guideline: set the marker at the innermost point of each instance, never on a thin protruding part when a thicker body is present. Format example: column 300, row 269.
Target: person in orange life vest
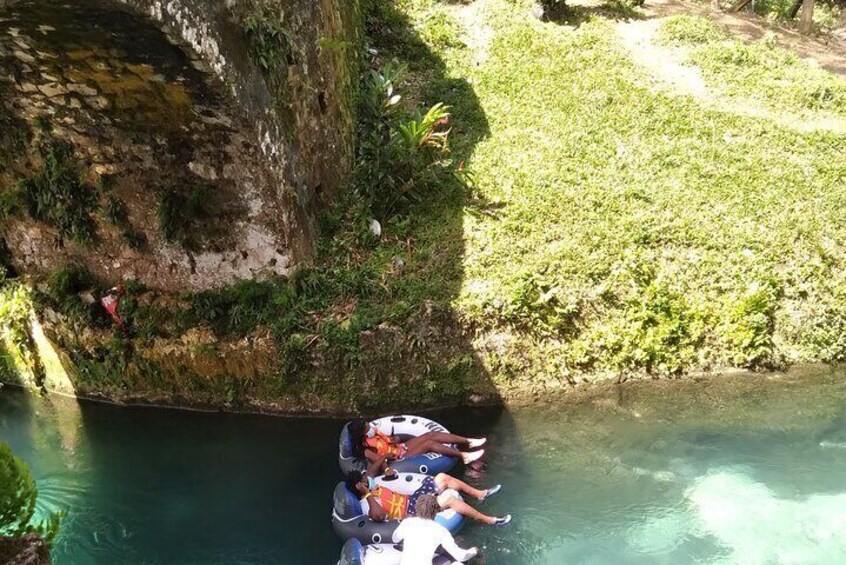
column 369, row 442
column 380, row 503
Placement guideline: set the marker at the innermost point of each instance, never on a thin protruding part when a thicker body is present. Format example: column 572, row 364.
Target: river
column 749, row 469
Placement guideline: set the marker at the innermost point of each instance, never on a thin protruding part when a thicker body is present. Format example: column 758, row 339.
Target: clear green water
column 750, row 470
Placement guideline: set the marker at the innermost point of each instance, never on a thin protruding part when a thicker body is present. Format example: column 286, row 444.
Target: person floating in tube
column 369, row 442
column 421, row 536
column 380, row 503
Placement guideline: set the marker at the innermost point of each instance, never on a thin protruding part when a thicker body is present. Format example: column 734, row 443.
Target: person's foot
column 473, row 443
column 473, row 456
column 504, row 521
column 491, row 491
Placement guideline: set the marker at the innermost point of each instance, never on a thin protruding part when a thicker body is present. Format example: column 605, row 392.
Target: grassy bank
column 614, row 229
column 598, row 228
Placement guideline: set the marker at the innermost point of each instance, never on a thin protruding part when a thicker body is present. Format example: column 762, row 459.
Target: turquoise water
column 751, row 470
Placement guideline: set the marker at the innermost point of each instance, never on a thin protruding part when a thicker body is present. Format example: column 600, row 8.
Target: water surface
column 749, row 470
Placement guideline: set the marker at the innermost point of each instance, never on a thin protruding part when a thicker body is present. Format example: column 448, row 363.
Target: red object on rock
column 111, row 302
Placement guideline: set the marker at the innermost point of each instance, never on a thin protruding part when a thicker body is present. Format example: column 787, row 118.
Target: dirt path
column 668, row 70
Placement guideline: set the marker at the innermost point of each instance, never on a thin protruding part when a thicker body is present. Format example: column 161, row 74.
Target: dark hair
column 427, row 507
column 351, row 481
column 356, row 431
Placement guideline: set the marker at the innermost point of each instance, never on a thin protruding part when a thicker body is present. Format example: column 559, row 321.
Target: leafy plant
column 115, row 211
column 58, row 196
column 752, row 324
column 400, row 154
column 270, row 43
column 18, row 495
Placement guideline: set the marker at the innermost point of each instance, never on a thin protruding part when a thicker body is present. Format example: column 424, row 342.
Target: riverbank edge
column 585, row 391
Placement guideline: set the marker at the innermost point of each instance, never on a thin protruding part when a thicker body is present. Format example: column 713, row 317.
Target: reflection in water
column 641, row 478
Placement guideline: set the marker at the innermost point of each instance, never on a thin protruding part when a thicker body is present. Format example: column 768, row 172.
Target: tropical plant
column 18, row 494
column 400, row 153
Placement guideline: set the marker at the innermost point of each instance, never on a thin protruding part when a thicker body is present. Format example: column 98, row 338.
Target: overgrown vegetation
column 402, row 156
column 58, row 195
column 598, row 227
column 18, row 495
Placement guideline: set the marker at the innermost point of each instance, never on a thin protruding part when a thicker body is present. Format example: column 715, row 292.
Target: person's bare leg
column 444, row 481
column 468, row 511
column 426, row 446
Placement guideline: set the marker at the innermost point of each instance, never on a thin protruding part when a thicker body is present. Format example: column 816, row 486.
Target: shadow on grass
column 441, row 366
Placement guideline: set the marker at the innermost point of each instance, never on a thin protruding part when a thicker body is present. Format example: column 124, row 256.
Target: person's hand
column 472, row 552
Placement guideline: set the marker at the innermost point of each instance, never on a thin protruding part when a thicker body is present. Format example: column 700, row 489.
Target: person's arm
column 375, row 511
column 449, row 545
column 375, row 467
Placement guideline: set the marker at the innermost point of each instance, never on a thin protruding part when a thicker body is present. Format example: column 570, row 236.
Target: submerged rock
column 29, row 550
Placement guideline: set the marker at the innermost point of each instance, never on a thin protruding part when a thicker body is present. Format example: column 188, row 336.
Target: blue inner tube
column 350, row 522
column 356, row 553
column 405, row 427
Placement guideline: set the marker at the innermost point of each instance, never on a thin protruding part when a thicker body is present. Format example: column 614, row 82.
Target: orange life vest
column 393, row 503
column 381, row 444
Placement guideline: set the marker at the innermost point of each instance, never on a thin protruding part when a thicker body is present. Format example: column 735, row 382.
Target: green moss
column 18, row 364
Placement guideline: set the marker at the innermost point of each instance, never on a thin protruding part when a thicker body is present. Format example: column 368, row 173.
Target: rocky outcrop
column 28, row 550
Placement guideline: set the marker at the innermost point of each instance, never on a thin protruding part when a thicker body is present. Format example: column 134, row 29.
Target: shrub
column 68, row 281
column 18, row 494
column 751, row 325
column 400, row 154
column 57, row 196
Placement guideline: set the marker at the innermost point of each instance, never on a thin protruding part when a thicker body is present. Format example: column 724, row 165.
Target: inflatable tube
column 354, row 553
column 405, row 427
column 350, row 522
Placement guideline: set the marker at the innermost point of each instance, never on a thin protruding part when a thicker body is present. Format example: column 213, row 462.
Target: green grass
column 688, row 29
column 771, row 74
column 634, row 231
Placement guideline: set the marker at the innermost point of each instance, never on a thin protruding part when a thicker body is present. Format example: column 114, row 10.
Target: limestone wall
column 316, row 153
column 184, row 115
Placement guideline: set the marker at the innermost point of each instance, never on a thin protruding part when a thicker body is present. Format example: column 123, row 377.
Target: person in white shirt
column 421, row 536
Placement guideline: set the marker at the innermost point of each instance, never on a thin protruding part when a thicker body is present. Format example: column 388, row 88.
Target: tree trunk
column 806, row 21
column 794, row 9
column 739, row 5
